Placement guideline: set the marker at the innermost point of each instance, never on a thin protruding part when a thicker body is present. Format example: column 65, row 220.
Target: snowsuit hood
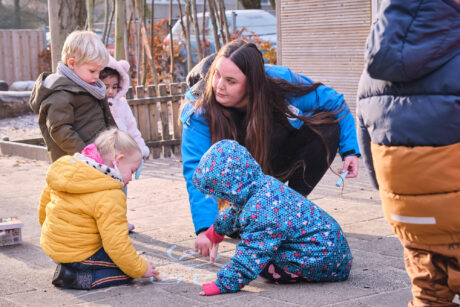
column 122, row 67
column 228, row 171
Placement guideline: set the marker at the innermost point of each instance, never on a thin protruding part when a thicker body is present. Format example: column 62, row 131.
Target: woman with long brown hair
column 292, row 126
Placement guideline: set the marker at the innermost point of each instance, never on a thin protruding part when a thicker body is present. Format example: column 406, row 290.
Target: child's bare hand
column 152, row 271
column 203, row 244
column 213, row 252
column 157, row 276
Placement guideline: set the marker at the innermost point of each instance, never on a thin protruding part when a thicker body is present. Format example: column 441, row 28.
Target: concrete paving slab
column 347, row 212
column 137, row 295
column 363, row 260
column 7, row 303
column 374, row 226
column 388, row 299
column 380, row 279
column 255, row 301
column 388, row 245
column 317, row 294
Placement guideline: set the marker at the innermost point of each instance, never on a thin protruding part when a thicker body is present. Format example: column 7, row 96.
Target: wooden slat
column 177, row 127
column 19, row 54
column 143, row 115
column 164, row 120
column 154, row 118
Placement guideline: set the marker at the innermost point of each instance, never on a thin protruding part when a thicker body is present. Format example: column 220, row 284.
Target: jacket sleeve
column 252, row 254
column 110, row 215
column 365, row 144
column 44, row 200
column 323, row 99
column 60, row 121
column 226, row 222
column 131, row 126
column 196, row 140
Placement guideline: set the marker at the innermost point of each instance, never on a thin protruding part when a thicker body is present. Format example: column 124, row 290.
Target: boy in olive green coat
column 72, row 103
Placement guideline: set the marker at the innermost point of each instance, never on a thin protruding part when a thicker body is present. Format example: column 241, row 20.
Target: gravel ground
column 20, row 128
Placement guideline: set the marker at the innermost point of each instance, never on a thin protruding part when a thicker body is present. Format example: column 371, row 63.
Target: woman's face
column 229, row 84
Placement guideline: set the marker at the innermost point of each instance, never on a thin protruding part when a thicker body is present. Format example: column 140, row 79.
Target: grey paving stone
column 376, row 227
column 136, row 294
column 7, row 303
column 380, row 279
column 388, row 245
column 347, row 212
column 389, row 299
column 254, row 301
column 317, row 294
column 364, row 260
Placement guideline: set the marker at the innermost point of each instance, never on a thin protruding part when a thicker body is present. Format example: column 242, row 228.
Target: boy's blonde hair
column 111, row 142
column 84, row 47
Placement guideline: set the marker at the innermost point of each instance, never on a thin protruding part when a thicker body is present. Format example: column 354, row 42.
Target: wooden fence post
column 154, row 118
column 143, row 121
column 164, row 115
column 177, row 128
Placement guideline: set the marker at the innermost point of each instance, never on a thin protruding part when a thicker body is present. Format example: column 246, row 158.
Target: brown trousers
column 434, row 271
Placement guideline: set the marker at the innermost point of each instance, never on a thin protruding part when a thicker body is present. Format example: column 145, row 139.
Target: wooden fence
column 156, row 109
column 19, row 54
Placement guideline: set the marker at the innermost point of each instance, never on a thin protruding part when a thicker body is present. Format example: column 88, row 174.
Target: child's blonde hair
column 84, row 47
column 111, row 142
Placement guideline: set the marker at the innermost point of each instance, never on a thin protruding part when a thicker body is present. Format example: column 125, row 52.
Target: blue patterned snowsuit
column 277, row 225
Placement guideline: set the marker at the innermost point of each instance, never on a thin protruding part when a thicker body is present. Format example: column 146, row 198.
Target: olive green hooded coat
column 69, row 117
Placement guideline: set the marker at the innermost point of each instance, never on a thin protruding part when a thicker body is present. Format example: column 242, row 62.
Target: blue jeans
column 101, row 270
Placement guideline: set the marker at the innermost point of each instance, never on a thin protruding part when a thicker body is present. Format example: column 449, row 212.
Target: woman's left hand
column 351, row 165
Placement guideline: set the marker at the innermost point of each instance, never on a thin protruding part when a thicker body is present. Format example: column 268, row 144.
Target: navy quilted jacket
column 409, row 92
column 277, row 225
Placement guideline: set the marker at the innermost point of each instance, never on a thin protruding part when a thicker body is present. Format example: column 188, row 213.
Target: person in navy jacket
column 292, row 126
column 408, row 112
column 284, row 237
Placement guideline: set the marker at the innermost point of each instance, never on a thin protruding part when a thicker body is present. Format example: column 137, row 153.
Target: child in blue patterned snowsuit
column 284, row 236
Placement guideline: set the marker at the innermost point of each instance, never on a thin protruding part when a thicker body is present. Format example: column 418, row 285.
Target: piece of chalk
column 138, row 172
column 341, row 179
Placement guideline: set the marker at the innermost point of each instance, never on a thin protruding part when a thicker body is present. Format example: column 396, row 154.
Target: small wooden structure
column 325, row 40
column 156, row 109
column 19, row 54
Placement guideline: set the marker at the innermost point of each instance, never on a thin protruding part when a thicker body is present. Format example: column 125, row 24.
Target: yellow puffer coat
column 81, row 210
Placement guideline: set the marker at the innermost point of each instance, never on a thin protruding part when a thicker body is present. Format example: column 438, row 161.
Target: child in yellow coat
column 82, row 212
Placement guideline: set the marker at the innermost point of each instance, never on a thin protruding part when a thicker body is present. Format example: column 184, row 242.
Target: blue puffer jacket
column 277, row 225
column 196, row 137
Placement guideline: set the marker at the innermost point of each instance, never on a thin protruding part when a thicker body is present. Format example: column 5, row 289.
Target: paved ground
column 158, row 206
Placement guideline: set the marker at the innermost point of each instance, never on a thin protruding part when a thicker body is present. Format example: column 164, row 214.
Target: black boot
column 64, row 277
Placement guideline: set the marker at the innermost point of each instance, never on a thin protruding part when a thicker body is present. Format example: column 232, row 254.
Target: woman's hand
column 203, row 245
column 351, row 164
